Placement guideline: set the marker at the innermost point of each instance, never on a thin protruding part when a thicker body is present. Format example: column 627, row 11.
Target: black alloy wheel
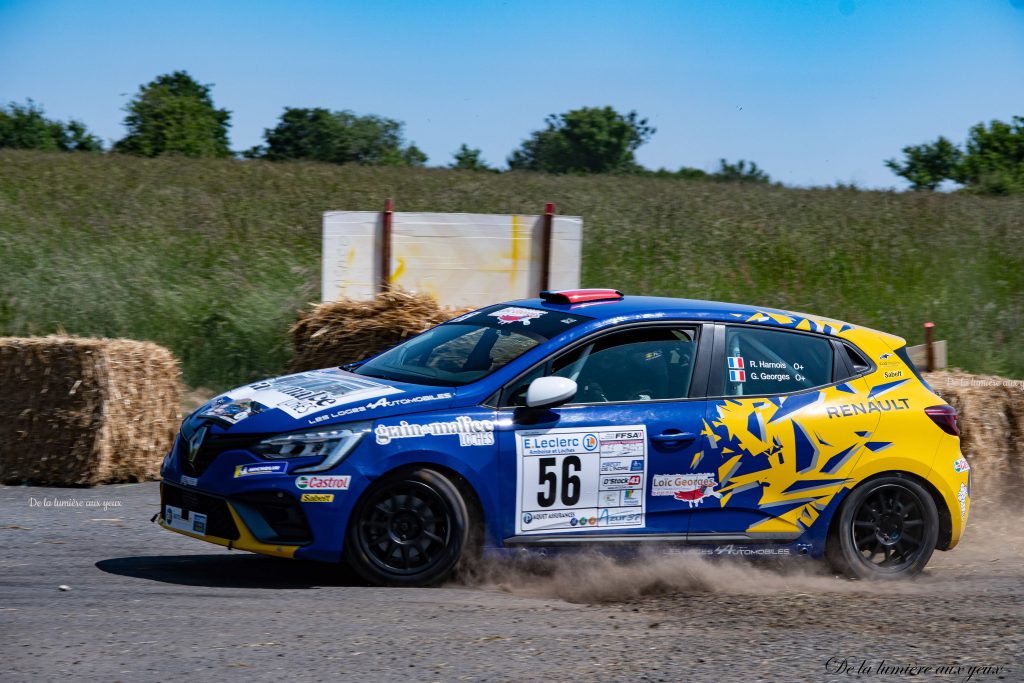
column 409, row 529
column 887, row 529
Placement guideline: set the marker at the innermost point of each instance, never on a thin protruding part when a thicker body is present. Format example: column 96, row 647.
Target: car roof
column 647, row 307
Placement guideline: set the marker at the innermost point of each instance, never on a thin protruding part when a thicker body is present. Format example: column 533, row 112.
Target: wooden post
column 545, row 272
column 385, row 245
column 929, row 346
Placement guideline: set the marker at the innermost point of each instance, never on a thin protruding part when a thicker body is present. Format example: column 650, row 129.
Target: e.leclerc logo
column 314, row 483
column 590, row 442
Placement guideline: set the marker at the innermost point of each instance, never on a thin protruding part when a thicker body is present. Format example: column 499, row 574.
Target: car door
column 588, row 467
column 775, row 455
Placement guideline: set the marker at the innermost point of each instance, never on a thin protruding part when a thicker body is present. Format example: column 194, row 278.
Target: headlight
column 333, row 444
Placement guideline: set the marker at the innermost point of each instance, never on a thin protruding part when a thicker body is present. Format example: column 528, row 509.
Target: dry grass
column 214, row 258
column 80, row 412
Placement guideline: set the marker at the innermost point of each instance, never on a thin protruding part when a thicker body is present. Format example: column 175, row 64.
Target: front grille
column 212, row 446
column 219, row 522
column 280, row 511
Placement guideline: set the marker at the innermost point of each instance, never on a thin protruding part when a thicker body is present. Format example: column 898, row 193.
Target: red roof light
column 578, row 296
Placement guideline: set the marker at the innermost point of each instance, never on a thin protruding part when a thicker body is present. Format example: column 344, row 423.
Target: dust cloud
column 993, row 544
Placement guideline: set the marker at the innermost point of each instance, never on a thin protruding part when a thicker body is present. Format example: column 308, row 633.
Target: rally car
column 584, row 418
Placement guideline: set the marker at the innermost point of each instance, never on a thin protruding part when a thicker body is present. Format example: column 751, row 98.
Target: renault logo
column 194, row 443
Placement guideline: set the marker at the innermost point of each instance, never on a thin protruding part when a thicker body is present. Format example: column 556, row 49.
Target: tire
column 411, row 528
column 887, row 529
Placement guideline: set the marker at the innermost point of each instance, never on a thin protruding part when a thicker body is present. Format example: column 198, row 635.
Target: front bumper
column 269, row 525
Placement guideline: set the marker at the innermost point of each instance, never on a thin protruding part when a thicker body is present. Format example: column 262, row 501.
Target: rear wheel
column 410, row 529
column 887, row 529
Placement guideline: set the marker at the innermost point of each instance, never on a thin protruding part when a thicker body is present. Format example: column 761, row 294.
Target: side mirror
column 548, row 392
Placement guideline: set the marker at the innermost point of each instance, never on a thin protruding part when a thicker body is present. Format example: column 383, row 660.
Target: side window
column 637, row 365
column 774, row 362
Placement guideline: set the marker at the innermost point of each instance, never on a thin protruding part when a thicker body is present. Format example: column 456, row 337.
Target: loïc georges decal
column 692, row 488
column 573, row 479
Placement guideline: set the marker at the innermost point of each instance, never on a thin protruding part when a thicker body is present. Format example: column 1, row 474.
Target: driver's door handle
column 674, row 437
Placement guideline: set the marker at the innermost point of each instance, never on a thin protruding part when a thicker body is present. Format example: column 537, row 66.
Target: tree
column 468, row 159
column 587, row 140
column 993, row 161
column 925, row 166
column 26, row 127
column 174, row 114
column 740, row 172
column 337, row 137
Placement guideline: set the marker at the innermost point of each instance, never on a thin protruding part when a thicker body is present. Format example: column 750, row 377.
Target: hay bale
column 344, row 331
column 991, row 417
column 80, row 412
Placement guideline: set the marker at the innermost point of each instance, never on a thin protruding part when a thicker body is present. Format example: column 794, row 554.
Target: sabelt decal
column 298, row 395
column 317, row 498
column 691, row 488
column 577, row 479
column 260, row 468
column 315, row 483
column 471, row 432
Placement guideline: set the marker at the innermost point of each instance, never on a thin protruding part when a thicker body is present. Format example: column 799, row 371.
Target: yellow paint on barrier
column 398, row 271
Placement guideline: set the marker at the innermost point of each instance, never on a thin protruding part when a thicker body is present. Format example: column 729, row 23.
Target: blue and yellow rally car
column 584, row 418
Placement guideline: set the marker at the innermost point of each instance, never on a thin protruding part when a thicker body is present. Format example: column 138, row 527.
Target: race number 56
column 559, row 483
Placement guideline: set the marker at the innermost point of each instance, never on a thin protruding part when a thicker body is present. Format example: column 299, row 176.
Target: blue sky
column 813, row 91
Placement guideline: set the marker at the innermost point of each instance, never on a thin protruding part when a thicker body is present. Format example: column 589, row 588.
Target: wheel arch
column 461, row 482
column 945, row 518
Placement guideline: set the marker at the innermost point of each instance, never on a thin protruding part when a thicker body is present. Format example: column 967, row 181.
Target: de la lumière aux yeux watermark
column 69, row 502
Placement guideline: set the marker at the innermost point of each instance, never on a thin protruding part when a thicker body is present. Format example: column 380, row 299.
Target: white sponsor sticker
column 315, row 483
column 185, row 520
column 577, row 479
column 514, row 314
column 189, row 481
column 298, row 395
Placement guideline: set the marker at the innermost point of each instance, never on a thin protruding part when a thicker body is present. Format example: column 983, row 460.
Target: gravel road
column 141, row 604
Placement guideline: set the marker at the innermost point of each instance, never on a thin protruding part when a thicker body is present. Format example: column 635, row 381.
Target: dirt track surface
column 148, row 605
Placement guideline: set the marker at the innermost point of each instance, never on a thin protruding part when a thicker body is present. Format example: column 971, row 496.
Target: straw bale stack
column 991, row 418
column 344, row 331
column 80, row 412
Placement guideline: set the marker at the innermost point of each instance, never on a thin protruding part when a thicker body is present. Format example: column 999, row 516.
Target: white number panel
column 578, row 479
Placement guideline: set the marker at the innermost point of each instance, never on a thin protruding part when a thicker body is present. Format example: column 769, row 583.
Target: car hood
column 314, row 398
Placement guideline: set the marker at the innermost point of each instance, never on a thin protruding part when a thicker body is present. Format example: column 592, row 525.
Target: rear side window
column 759, row 362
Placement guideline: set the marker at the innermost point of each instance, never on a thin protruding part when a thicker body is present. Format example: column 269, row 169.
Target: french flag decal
column 737, row 376
column 735, row 362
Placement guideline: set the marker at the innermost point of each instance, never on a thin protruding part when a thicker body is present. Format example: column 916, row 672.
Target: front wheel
column 410, row 529
column 887, row 529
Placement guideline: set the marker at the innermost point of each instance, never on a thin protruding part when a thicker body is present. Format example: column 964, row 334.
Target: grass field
column 214, row 258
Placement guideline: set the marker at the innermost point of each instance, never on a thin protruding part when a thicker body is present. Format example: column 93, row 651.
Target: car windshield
column 469, row 347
